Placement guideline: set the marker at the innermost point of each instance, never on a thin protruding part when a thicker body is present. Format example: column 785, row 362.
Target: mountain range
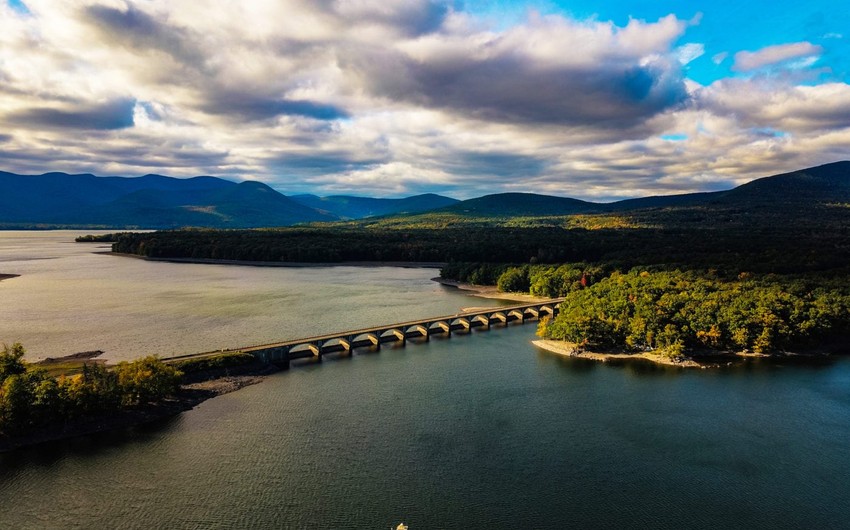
column 156, row 201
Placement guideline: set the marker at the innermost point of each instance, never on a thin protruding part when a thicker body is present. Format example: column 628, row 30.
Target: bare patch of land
column 70, row 364
column 488, row 291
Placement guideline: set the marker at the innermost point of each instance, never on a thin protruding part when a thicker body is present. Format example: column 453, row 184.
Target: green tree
column 12, row 361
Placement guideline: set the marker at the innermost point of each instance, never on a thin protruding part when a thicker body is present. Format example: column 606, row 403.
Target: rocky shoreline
column 703, row 361
column 571, row 350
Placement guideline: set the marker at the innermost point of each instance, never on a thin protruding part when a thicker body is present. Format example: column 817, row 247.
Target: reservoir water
column 480, row 431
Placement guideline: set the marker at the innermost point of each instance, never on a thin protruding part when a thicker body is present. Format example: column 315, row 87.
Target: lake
column 472, row 431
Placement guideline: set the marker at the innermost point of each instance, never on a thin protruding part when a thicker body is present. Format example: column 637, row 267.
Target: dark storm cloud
column 116, row 114
column 512, row 89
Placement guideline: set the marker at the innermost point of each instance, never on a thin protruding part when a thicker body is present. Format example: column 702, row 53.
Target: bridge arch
column 441, row 325
column 517, row 314
column 422, row 329
column 498, row 315
column 483, row 320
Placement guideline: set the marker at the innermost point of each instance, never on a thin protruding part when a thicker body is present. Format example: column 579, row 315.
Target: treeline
column 762, row 247
column 100, row 238
column 30, row 398
column 674, row 311
column 550, row 281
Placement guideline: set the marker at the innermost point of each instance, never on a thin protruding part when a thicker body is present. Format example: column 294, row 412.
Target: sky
column 598, row 100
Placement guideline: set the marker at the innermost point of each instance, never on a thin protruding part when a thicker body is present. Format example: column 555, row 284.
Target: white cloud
column 393, row 98
column 690, row 52
column 746, row 61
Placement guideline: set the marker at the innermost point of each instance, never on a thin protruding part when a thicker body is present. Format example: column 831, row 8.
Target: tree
column 145, row 380
column 514, row 280
column 12, row 361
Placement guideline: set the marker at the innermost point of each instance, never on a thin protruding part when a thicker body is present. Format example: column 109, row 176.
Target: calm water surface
column 480, row 431
column 69, row 299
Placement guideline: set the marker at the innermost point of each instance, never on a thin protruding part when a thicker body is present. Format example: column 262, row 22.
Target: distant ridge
column 350, row 207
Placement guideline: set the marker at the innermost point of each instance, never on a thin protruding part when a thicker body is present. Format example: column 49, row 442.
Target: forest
column 30, row 398
column 761, row 277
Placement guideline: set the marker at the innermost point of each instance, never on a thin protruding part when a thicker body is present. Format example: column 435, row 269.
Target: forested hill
column 350, row 207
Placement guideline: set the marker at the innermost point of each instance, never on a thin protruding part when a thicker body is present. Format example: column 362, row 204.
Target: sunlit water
column 480, row 431
column 71, row 299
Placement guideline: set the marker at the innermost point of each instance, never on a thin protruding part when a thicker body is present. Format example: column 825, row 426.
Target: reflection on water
column 480, row 431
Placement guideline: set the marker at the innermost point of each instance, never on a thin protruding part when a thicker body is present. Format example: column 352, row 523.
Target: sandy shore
column 570, row 350
column 488, row 291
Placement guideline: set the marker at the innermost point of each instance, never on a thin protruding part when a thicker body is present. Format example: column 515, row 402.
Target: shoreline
column 703, row 361
column 292, row 264
column 488, row 291
column 570, row 350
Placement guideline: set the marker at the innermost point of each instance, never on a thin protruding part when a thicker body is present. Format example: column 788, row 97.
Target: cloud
column 551, row 71
column 394, row 98
column 690, row 52
column 249, row 106
column 117, row 114
column 746, row 61
column 718, row 58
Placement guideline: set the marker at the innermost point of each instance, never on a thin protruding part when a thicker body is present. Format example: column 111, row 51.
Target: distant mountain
column 827, row 183
column 350, row 207
column 519, row 204
column 152, row 201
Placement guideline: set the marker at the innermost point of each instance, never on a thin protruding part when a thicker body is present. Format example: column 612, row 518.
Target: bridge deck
column 377, row 329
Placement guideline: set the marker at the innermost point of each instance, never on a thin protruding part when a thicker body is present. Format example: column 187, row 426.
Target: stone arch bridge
column 281, row 353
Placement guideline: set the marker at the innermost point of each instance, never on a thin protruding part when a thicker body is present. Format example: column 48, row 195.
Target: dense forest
column 765, row 246
column 30, row 398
